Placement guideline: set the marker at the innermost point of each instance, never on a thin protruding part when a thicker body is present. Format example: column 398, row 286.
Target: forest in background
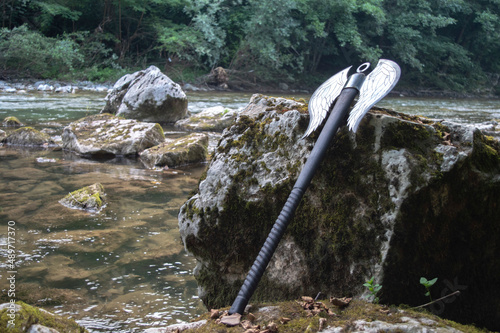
column 439, row 44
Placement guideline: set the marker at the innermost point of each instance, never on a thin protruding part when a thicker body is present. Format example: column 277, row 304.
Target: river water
column 125, row 268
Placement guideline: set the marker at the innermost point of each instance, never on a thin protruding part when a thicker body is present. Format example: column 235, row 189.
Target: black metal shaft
column 334, row 121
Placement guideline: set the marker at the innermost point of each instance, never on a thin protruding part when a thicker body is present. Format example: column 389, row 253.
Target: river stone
column 12, row 122
column 28, row 136
column 89, row 198
column 147, row 95
column 105, row 134
column 186, row 150
column 213, row 119
column 402, row 198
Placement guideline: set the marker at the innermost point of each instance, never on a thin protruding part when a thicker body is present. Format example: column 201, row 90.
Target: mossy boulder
column 12, row 122
column 29, row 137
column 32, row 319
column 106, row 134
column 186, row 150
column 214, row 119
column 90, row 198
column 403, row 191
column 147, row 95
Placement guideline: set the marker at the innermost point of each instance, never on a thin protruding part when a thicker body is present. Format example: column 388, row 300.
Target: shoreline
column 56, row 86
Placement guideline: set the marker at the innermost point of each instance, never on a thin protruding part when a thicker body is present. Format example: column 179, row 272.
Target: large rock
column 186, row 150
column 105, row 134
column 147, row 95
column 404, row 197
column 28, row 136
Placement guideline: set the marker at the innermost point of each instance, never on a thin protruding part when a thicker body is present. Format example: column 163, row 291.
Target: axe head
column 375, row 87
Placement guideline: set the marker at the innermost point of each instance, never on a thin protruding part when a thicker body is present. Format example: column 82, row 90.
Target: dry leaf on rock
column 214, row 314
column 340, row 302
column 231, row 320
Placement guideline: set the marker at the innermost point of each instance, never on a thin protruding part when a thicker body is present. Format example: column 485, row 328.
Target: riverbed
column 125, row 268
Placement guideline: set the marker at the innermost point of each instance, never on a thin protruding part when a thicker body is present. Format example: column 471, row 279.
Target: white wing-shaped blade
column 377, row 84
column 323, row 98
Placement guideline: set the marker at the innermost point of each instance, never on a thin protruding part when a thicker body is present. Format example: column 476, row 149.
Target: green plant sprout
column 373, row 288
column 427, row 284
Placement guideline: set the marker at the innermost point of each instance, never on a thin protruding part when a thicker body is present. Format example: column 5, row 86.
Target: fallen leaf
column 231, row 320
column 250, row 317
column 322, row 322
column 214, row 314
column 272, row 327
column 340, row 302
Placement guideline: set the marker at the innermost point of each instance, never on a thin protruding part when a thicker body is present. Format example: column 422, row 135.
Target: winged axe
column 339, row 91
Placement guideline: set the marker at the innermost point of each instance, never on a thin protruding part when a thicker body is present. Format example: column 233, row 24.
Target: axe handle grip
column 335, row 120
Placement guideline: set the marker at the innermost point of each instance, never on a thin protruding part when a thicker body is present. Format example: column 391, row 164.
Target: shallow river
column 124, row 269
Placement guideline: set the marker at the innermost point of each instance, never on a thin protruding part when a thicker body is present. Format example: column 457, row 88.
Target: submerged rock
column 213, row 119
column 89, row 198
column 404, row 197
column 32, row 319
column 105, row 134
column 186, row 150
column 28, row 136
column 147, row 95
column 12, row 122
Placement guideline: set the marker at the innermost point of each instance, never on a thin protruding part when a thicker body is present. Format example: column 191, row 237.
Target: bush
column 33, row 54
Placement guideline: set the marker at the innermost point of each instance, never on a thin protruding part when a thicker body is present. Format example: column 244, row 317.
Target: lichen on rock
column 106, row 134
column 89, row 198
column 12, row 121
column 213, row 119
column 373, row 195
column 32, row 319
column 29, row 137
column 173, row 153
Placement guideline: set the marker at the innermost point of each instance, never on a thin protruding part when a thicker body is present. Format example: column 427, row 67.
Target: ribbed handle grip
column 336, row 118
column 266, row 252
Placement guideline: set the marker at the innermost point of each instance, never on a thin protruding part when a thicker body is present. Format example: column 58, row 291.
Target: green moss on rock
column 89, row 198
column 28, row 136
column 12, row 122
column 27, row 315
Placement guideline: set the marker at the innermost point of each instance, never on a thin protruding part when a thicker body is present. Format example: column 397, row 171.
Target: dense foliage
column 443, row 44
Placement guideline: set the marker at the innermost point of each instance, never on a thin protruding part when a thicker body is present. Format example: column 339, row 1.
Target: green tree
column 28, row 51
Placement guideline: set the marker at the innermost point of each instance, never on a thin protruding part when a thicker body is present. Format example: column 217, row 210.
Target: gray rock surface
column 147, row 95
column 105, row 134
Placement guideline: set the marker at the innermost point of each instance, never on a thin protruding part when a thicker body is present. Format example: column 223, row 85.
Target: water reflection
column 125, row 268
column 122, row 269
